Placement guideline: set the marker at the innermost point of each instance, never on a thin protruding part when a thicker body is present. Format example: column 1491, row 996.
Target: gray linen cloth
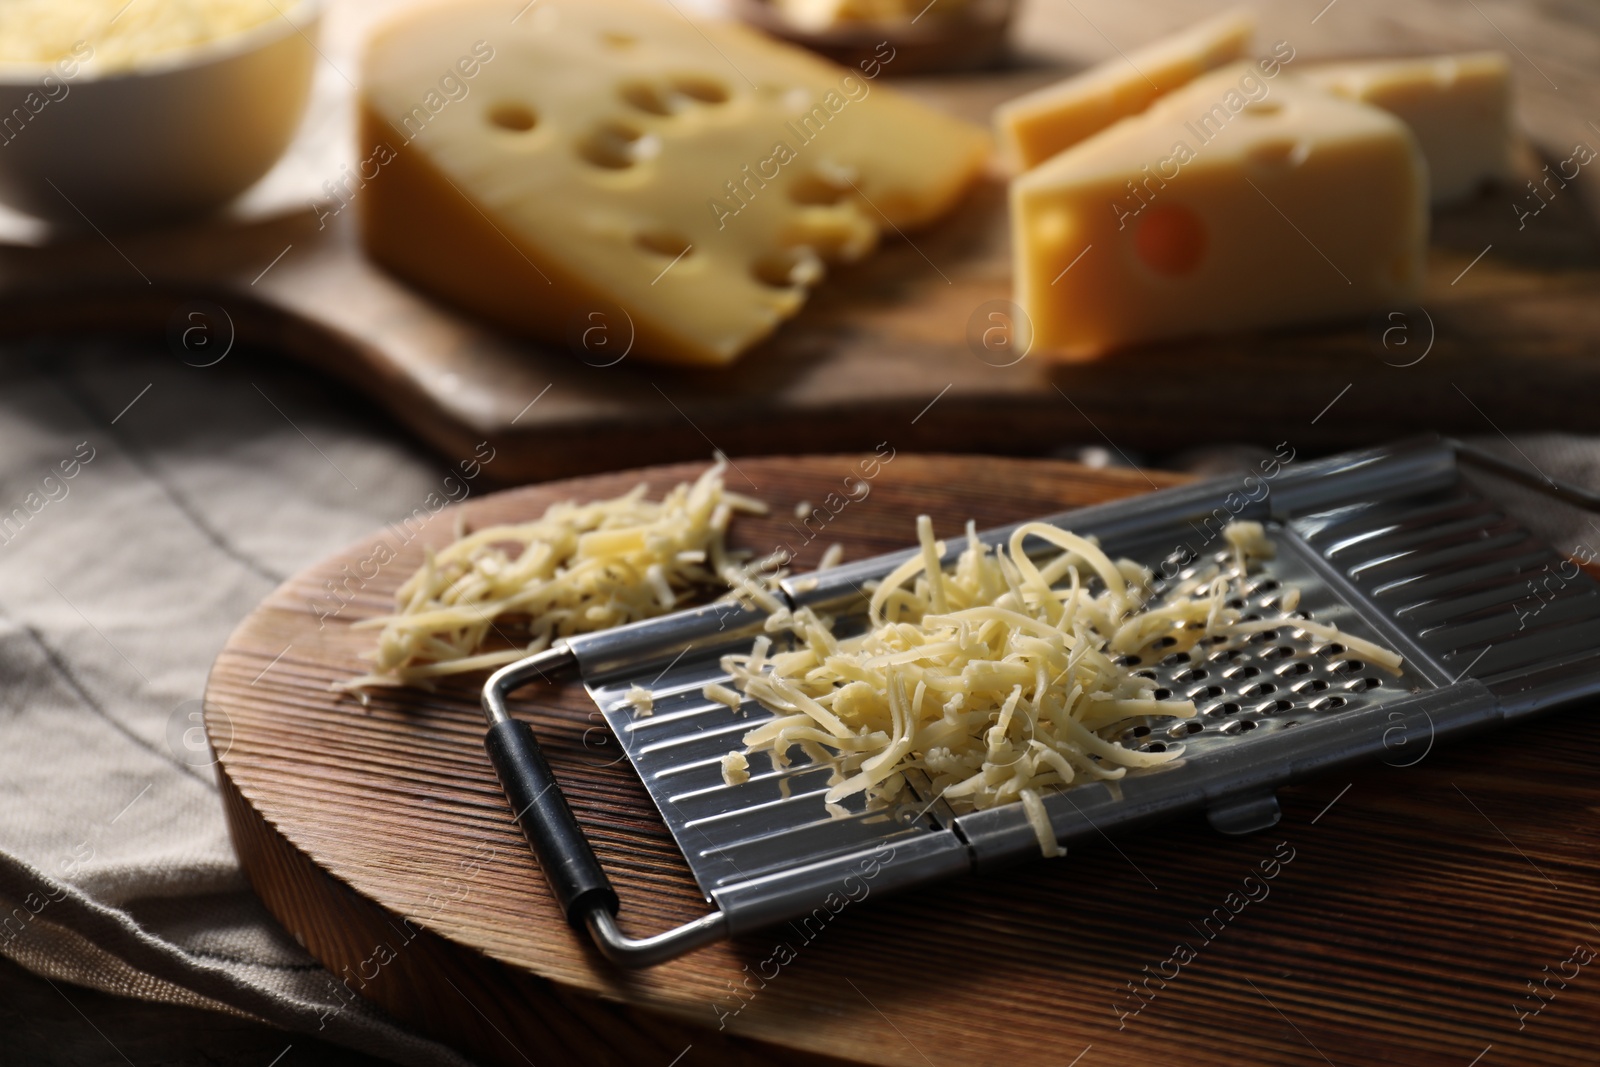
column 132, row 540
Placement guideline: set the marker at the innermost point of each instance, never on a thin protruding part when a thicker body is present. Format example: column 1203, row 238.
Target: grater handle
column 569, row 864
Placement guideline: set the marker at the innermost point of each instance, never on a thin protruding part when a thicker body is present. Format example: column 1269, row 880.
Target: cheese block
column 1459, row 108
column 1037, row 125
column 609, row 165
column 1230, row 205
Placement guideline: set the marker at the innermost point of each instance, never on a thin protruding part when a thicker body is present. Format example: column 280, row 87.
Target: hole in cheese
column 1171, row 240
column 663, row 243
column 817, row 189
column 833, row 234
column 788, row 268
column 1280, row 152
column 647, row 97
column 1262, row 108
column 700, row 87
column 519, row 118
column 613, row 145
column 671, row 98
column 613, row 39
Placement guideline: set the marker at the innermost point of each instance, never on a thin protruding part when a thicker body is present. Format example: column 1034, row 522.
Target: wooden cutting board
column 1507, row 334
column 1412, row 905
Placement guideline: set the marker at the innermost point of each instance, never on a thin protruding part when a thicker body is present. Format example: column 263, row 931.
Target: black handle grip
column 569, row 864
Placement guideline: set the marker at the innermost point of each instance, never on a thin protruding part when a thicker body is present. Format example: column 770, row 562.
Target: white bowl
column 178, row 135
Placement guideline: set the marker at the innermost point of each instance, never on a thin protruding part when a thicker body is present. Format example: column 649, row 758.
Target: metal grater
column 1389, row 544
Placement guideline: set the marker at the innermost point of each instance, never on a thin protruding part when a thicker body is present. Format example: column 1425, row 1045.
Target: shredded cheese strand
column 996, row 678
column 580, row 567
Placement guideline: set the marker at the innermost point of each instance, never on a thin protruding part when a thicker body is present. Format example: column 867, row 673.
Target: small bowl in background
column 179, row 135
column 972, row 38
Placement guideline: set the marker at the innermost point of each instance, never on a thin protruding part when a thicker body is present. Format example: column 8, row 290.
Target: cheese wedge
column 684, row 181
column 1459, row 108
column 1037, row 125
column 1230, row 205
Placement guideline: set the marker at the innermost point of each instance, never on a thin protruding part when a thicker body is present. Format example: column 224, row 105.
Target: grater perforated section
column 1272, row 680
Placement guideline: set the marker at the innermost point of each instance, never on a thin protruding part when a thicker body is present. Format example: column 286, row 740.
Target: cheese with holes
column 1459, row 108
column 1232, row 204
column 607, row 165
column 1037, row 125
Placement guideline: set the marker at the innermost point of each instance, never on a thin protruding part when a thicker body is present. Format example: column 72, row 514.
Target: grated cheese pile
column 121, row 33
column 997, row 678
column 579, row 568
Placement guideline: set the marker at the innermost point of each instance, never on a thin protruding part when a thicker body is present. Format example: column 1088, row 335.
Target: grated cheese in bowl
column 119, row 34
column 996, row 679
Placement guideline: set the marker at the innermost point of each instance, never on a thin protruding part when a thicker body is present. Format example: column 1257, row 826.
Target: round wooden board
column 1417, row 903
